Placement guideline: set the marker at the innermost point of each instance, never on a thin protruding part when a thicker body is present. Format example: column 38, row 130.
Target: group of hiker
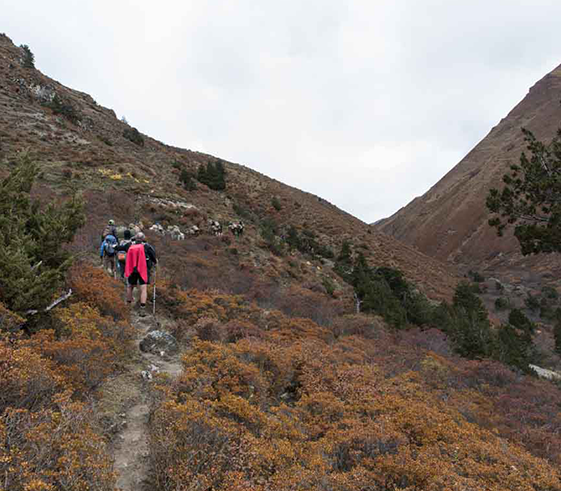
column 132, row 258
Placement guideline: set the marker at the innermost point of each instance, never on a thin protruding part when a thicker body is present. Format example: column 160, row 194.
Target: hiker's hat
column 139, row 237
column 111, row 222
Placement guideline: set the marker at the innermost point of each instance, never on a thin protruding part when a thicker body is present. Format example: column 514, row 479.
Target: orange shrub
column 302, row 302
column 27, row 379
column 237, row 329
column 190, row 446
column 209, row 329
column 192, row 305
column 95, row 287
column 293, row 329
column 53, row 449
column 298, row 409
column 82, row 321
column 276, row 364
column 211, row 371
column 89, row 348
column 357, row 325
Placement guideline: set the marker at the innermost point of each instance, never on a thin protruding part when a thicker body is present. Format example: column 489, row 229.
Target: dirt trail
column 126, row 406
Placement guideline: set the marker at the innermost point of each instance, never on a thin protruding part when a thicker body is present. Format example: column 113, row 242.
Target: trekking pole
column 154, row 297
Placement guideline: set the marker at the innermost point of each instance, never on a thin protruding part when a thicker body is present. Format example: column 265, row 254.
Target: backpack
column 110, row 242
column 148, row 247
column 122, row 255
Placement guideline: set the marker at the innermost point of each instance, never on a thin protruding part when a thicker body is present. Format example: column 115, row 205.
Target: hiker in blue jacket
column 107, row 253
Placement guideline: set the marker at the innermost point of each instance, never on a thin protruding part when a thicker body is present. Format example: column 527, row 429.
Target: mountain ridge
column 92, row 153
column 449, row 221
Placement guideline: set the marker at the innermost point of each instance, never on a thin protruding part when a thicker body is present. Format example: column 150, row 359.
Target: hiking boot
column 142, row 311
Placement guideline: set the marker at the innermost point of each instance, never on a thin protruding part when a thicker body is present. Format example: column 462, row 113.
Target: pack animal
column 215, row 227
column 193, row 230
column 175, row 233
column 236, row 228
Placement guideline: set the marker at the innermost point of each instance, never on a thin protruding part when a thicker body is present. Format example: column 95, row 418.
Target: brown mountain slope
column 80, row 142
column 281, row 386
column 450, row 221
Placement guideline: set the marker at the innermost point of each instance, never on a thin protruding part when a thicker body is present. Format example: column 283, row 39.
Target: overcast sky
column 366, row 103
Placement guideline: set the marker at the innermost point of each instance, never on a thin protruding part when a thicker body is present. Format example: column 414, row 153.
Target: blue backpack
column 109, row 245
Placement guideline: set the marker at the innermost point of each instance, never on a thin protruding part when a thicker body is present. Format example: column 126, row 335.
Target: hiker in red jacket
column 141, row 257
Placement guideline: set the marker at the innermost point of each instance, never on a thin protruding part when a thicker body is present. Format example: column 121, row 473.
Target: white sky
column 366, row 103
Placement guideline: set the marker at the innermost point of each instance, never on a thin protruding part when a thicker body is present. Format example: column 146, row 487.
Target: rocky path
column 127, row 405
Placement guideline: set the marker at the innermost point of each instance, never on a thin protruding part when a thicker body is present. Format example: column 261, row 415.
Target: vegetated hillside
column 130, row 176
column 284, row 387
column 450, row 220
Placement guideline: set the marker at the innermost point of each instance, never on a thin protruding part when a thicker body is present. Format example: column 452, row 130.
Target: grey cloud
column 365, row 103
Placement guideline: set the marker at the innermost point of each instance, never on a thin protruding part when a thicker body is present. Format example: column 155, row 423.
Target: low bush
column 276, row 204
column 64, row 108
column 53, row 449
column 501, row 304
column 307, row 243
column 301, row 302
column 93, row 286
column 550, row 293
column 269, row 232
column 133, row 135
column 28, row 380
column 243, row 212
column 187, row 180
column 87, row 347
column 48, row 439
column 298, row 410
column 532, row 302
column 475, row 276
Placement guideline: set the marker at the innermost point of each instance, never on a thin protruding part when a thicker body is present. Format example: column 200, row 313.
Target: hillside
column 294, row 356
column 450, row 220
column 125, row 180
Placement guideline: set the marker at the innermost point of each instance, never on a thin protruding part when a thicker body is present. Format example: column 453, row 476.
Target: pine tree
column 186, row 178
column 213, row 175
column 470, row 328
column 531, row 198
column 344, row 262
column 33, row 261
column 557, row 331
column 517, row 319
column 514, row 347
column 220, row 171
column 202, row 174
column 292, row 238
column 28, row 60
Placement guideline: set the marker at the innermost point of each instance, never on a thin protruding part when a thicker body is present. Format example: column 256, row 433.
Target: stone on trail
column 156, row 341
